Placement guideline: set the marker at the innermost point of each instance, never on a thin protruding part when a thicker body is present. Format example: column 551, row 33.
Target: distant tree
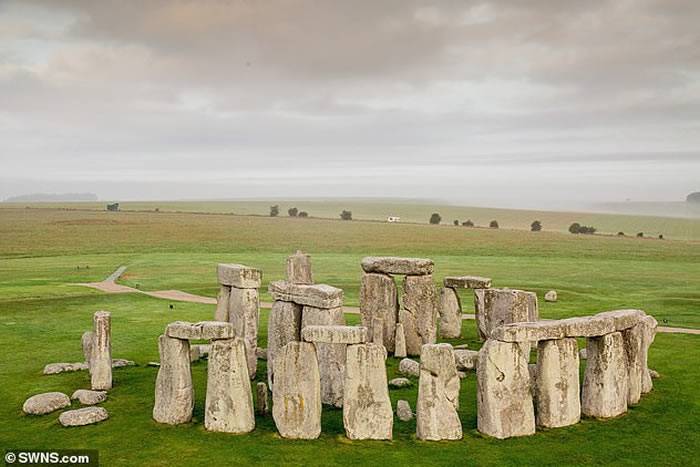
column 346, row 215
column 303, row 214
column 157, row 209
column 620, row 234
column 693, row 197
column 293, row 212
column 640, row 234
column 274, row 211
column 661, row 236
column 536, row 226
column 435, row 218
column 455, row 222
column 468, row 223
column 575, row 228
column 493, row 224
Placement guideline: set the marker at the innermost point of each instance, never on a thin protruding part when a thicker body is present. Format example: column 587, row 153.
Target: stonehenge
column 438, row 395
column 450, row 305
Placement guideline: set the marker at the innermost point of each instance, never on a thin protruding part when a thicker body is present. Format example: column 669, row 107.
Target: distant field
column 653, row 226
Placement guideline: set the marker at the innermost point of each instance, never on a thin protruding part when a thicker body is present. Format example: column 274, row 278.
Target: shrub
column 435, row 218
column 640, row 234
column 620, row 234
column 303, row 214
column 536, row 226
column 346, row 215
column 274, row 211
column 661, row 236
column 493, row 224
column 293, row 212
column 468, row 223
column 455, row 222
column 575, row 228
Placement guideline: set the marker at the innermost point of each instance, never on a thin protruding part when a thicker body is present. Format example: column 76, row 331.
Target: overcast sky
column 532, row 103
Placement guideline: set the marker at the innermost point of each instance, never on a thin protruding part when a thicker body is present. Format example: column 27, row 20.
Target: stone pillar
column 504, row 398
column 331, row 357
column 229, row 402
column 101, row 363
column 244, row 315
column 262, row 401
column 450, row 314
column 650, row 325
column 379, row 299
column 88, row 341
column 367, row 412
column 174, row 399
column 400, row 342
column 283, row 327
column 222, row 307
column 419, row 312
column 557, row 383
column 378, row 331
column 296, row 397
column 633, row 341
column 299, row 268
column 495, row 307
column 605, row 382
column 438, row 395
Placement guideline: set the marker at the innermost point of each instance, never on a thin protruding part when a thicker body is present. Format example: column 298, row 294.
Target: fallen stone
column 367, row 412
column 84, row 416
column 334, row 334
column 331, row 357
column 461, row 346
column 605, row 381
column 243, row 313
column 438, row 395
column 379, row 299
column 467, row 282
column 450, row 314
column 466, row 359
column 420, row 302
column 403, row 411
column 395, row 265
column 557, row 383
column 121, row 363
column 153, row 364
column 496, row 307
column 222, row 305
column 399, row 342
column 296, row 398
column 318, row 295
column 200, row 331
column 550, row 296
column 56, row 368
column 399, row 383
column 229, row 401
column 299, row 268
column 41, row 404
column 409, row 367
column 283, row 327
column 240, row 276
column 504, row 399
column 174, row 393
column 654, row 374
column 101, row 353
column 87, row 397
column 262, row 400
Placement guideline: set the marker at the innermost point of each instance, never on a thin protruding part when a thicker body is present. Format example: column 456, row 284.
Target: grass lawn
column 45, row 252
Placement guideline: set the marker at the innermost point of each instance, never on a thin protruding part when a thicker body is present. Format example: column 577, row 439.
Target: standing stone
column 101, row 364
column 243, row 314
column 495, row 307
column 438, row 395
column 229, row 402
column 331, row 357
column 450, row 314
column 222, row 306
column 420, row 302
column 557, row 383
column 403, row 411
column 87, row 341
column 399, row 342
column 262, row 401
column 650, row 326
column 367, row 412
column 633, row 340
column 283, row 327
column 174, row 391
column 296, row 397
column 605, row 382
column 379, row 299
column 378, row 331
column 299, row 268
column 504, row 398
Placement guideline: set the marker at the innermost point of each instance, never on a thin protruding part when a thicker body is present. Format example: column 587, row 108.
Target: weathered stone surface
column 261, row 352
column 633, row 341
column 238, row 275
column 174, row 398
column 399, row 342
column 262, row 399
column 318, row 295
column 409, row 367
column 461, row 374
column 622, row 319
column 334, row 334
column 438, row 395
column 378, row 331
column 229, row 402
column 605, row 381
column 101, row 361
column 87, row 397
column 467, row 282
column 653, row 374
column 496, row 307
column 195, row 355
column 84, row 416
column 121, row 363
column 450, row 314
column 466, row 359
column 461, row 346
column 550, row 296
column 650, row 326
column 243, row 313
column 222, row 306
column 583, row 354
column 56, row 368
column 203, row 349
column 87, row 341
column 420, row 302
column 299, row 268
column 396, row 265
column 201, row 330
column 379, row 299
column 367, row 412
column 504, row 398
column 403, row 411
column 557, row 383
column 331, row 357
column 283, row 327
column 41, row 404
column 399, row 383
column 296, row 397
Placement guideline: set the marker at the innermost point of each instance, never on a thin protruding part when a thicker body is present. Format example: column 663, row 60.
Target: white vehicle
column 393, row 219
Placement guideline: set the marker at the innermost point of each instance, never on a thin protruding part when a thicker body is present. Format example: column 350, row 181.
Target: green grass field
column 45, row 252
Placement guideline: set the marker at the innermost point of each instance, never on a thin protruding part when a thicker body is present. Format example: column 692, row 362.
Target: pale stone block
column 317, row 296
column 299, row 268
column 450, row 314
column 174, row 398
column 283, row 327
column 101, row 362
column 605, row 381
column 239, row 275
column 557, row 383
column 379, row 299
column 438, row 395
column 395, row 265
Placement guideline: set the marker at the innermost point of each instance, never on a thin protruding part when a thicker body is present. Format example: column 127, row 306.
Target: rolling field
column 44, row 253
